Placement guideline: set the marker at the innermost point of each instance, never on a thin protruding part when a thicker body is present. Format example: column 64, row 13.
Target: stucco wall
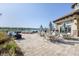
column 73, row 24
column 74, row 28
column 78, row 26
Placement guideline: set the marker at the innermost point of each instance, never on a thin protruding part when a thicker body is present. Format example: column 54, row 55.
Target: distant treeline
column 16, row 29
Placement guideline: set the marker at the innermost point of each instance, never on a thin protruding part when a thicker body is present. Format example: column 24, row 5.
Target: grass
column 8, row 46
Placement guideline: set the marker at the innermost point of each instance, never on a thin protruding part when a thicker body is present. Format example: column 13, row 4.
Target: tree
column 51, row 27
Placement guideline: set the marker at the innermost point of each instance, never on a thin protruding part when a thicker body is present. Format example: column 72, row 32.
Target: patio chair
column 55, row 37
column 49, row 36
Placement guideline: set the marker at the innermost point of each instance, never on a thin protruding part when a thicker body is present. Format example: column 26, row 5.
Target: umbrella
column 65, row 27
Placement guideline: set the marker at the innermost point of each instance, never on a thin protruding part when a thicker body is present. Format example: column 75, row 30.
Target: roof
column 70, row 14
column 74, row 5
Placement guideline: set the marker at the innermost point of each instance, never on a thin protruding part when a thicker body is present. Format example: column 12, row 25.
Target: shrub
column 67, row 37
column 9, row 47
column 3, row 37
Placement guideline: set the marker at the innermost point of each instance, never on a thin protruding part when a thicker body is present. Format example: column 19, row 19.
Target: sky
column 31, row 15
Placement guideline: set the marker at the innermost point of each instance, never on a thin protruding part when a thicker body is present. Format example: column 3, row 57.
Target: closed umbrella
column 65, row 27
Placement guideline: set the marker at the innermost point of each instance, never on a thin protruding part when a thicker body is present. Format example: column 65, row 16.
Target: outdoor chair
column 50, row 36
column 54, row 37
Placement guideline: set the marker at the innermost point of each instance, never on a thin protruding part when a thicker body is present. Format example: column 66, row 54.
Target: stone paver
column 34, row 45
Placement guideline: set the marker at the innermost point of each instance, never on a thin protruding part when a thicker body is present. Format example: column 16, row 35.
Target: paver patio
column 34, row 45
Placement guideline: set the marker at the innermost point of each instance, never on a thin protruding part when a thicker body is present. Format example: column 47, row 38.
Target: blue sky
column 31, row 15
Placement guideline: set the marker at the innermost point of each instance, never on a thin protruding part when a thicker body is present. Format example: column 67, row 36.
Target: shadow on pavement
column 68, row 42
column 21, row 39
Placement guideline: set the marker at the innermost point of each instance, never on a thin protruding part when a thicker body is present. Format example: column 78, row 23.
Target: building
column 69, row 23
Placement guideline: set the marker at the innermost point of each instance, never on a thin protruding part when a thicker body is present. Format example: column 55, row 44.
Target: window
column 69, row 29
column 65, row 29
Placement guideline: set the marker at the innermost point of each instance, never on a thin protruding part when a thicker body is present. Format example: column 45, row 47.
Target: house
column 69, row 21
